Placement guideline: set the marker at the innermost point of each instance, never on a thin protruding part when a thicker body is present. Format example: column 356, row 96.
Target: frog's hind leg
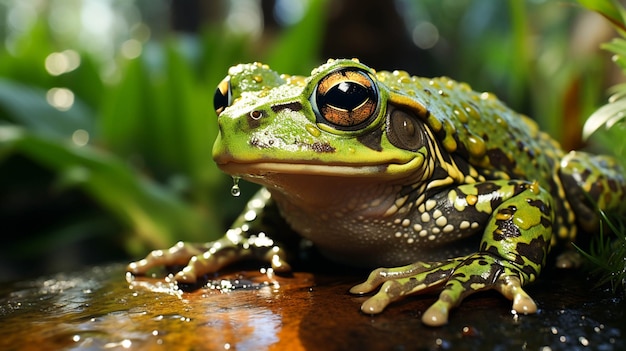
column 513, row 250
column 590, row 182
column 512, row 253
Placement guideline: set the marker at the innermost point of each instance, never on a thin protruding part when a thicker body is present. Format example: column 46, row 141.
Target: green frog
column 448, row 187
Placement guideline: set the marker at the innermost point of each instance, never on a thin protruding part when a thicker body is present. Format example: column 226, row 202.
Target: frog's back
column 480, row 128
column 503, row 144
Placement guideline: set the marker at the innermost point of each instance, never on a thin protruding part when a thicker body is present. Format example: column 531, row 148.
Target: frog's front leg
column 244, row 240
column 517, row 219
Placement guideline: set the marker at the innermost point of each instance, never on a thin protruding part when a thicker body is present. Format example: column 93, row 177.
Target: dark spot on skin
column 597, row 188
column 483, row 246
column 542, row 206
column 508, row 210
column 293, row 106
column 585, row 174
column 372, row 140
column 437, row 276
column 506, row 228
column 461, row 152
column 490, row 188
column 321, row 147
column 462, row 163
column 518, row 187
column 486, row 187
column 498, row 158
column 255, row 142
column 535, row 251
column 545, row 222
column 459, row 275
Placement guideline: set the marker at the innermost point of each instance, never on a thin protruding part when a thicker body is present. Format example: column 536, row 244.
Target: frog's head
column 337, row 122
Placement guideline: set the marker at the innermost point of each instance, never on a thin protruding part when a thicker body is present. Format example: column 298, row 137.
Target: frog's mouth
column 268, row 168
column 264, row 168
column 312, row 184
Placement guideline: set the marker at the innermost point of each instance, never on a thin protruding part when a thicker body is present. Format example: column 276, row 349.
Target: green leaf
column 85, row 81
column 155, row 215
column 163, row 119
column 124, row 110
column 189, row 125
column 27, row 106
column 606, row 115
column 610, row 9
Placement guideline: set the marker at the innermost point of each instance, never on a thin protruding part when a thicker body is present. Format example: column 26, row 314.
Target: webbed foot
column 459, row 277
column 202, row 259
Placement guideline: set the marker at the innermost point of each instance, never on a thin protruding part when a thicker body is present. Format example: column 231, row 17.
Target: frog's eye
column 223, row 97
column 346, row 99
column 404, row 130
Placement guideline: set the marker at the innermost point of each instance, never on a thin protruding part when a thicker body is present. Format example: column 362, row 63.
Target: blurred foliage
column 139, row 145
column 607, row 125
column 116, row 147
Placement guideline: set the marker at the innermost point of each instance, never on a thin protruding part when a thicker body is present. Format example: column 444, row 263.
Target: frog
column 436, row 187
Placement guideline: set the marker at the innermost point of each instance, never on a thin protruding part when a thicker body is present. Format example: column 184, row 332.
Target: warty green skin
column 448, row 185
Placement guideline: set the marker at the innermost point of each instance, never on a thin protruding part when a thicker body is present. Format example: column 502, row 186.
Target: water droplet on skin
column 235, row 190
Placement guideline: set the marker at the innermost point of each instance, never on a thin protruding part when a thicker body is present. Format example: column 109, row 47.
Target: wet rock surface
column 255, row 310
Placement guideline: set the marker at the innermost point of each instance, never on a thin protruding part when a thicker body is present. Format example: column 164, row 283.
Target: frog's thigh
column 592, row 181
column 520, row 228
column 513, row 250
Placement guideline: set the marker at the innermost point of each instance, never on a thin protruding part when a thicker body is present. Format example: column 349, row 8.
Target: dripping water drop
column 235, row 190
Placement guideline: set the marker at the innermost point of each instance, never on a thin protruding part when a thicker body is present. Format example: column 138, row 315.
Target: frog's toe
column 478, row 273
column 221, row 255
column 197, row 267
column 402, row 281
column 413, row 277
column 511, row 288
column 277, row 257
column 177, row 255
column 390, row 291
column 437, row 314
column 375, row 278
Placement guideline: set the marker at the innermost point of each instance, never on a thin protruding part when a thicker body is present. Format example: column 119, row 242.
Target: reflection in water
column 95, row 310
column 226, row 313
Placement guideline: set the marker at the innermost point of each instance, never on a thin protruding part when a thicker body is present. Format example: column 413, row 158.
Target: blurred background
column 106, row 116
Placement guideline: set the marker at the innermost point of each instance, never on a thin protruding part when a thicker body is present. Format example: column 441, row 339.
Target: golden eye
column 222, row 98
column 346, row 99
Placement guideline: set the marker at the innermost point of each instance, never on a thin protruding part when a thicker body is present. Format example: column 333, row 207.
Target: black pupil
column 347, row 96
column 220, row 100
